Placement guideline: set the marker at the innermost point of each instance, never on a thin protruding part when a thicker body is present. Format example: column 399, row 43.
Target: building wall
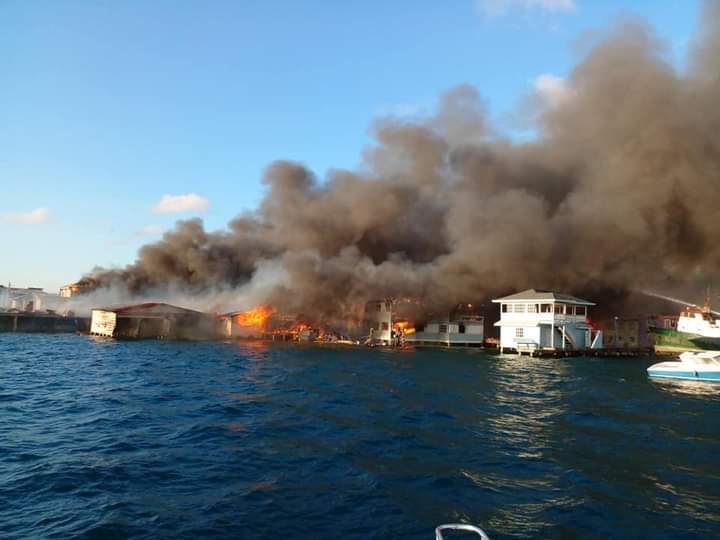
column 509, row 335
column 102, row 323
column 378, row 316
column 542, row 335
column 448, row 333
column 162, row 321
column 224, row 325
column 631, row 333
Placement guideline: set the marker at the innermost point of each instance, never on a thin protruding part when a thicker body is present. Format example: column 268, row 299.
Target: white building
column 379, row 322
column 534, row 321
column 463, row 331
column 70, row 290
column 31, row 299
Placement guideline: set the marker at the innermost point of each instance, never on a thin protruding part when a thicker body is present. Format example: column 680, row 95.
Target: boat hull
column 686, row 374
column 695, row 366
column 666, row 337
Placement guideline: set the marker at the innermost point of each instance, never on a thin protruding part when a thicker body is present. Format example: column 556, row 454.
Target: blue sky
column 106, row 107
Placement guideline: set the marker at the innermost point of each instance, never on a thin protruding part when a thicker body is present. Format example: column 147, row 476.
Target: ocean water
column 103, row 439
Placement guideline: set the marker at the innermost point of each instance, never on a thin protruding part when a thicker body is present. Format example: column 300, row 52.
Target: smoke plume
column 620, row 188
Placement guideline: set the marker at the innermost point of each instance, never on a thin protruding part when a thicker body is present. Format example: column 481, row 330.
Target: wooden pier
column 604, row 352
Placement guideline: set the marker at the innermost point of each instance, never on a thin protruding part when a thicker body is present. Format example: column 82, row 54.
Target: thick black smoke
column 620, row 189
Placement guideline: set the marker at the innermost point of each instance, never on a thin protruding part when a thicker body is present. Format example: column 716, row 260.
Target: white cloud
column 31, row 217
column 551, row 89
column 152, row 229
column 502, row 7
column 190, row 202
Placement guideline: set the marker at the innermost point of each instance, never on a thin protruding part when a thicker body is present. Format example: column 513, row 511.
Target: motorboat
column 698, row 366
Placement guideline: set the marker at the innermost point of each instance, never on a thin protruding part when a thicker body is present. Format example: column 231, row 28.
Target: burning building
column 379, row 321
column 153, row 320
column 264, row 322
column 246, row 324
column 71, row 289
column 387, row 322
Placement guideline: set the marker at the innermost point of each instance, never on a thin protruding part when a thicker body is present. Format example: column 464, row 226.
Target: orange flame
column 256, row 316
column 404, row 327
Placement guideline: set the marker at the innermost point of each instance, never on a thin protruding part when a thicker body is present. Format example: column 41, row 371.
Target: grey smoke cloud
column 620, row 189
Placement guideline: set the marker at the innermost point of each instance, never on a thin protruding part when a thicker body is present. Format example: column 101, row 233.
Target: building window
column 385, row 326
column 504, row 308
column 443, row 328
column 379, row 307
column 532, row 308
column 419, row 327
column 519, row 332
column 546, row 308
column 519, row 308
column 580, row 310
column 559, row 309
column 461, row 328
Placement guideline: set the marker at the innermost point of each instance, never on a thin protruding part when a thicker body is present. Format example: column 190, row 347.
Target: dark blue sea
column 104, row 439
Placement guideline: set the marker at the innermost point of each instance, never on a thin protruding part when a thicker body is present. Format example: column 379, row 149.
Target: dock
column 601, row 352
column 33, row 322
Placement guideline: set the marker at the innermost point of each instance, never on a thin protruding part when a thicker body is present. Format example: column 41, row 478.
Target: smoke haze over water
column 620, row 189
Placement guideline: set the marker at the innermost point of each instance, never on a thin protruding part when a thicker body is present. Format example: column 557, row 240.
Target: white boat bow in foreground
column 698, row 366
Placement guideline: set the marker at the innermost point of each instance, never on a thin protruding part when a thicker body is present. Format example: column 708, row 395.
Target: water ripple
column 103, row 439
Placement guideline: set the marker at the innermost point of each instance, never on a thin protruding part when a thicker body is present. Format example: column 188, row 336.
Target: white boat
column 698, row 366
column 697, row 328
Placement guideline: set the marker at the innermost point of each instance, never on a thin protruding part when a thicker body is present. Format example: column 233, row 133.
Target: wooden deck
column 606, row 352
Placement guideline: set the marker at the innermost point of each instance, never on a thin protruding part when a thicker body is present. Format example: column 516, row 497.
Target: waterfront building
column 70, row 290
column 238, row 324
column 462, row 331
column 535, row 321
column 30, row 300
column 379, row 322
column 153, row 320
column 83, row 286
column 626, row 333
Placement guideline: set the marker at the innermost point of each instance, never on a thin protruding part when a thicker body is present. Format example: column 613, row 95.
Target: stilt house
column 535, row 321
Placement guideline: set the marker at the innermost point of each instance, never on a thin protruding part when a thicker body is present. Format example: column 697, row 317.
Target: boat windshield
column 707, row 361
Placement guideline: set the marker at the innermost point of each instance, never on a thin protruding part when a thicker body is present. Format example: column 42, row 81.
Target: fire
column 404, row 327
column 296, row 329
column 257, row 316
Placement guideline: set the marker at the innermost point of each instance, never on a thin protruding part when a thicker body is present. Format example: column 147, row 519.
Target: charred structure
column 153, row 320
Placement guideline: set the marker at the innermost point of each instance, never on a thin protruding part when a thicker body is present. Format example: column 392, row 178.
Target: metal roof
column 534, row 294
column 147, row 306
